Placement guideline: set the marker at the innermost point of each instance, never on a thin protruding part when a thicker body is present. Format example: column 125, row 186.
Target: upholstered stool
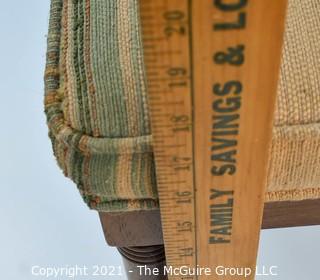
column 98, row 118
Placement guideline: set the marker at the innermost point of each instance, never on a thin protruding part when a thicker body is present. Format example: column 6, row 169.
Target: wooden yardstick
column 212, row 69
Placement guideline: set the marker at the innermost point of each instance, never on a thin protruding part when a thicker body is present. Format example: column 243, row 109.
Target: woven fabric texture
column 294, row 172
column 96, row 105
column 97, row 113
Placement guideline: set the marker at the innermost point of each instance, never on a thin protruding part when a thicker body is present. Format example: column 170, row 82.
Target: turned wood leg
column 145, row 262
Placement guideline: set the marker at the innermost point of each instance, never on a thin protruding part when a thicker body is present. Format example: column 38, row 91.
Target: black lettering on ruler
column 233, row 56
column 174, row 23
column 184, row 226
column 226, row 105
column 225, row 127
column 240, row 18
column 184, row 197
column 186, row 252
column 220, row 216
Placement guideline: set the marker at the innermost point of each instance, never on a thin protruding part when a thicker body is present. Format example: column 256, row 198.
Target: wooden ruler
column 212, row 69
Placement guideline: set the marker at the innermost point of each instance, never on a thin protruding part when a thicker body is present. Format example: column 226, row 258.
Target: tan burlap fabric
column 294, row 171
column 98, row 114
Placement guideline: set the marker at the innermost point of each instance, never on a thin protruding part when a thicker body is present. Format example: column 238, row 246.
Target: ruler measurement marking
column 153, row 39
column 168, row 103
column 154, row 94
column 147, row 18
column 163, row 115
column 154, row 86
column 159, row 67
column 171, row 146
column 163, row 135
column 151, row 74
column 173, row 182
column 184, row 24
column 169, row 52
column 190, row 6
column 172, row 79
column 146, row 47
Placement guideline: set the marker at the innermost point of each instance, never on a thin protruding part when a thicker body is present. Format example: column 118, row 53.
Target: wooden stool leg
column 144, row 262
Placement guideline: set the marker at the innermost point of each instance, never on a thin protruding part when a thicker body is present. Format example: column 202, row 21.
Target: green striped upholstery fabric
column 95, row 103
column 97, row 113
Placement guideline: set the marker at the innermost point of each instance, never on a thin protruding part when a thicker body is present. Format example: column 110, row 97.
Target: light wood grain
column 166, row 30
column 208, row 61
